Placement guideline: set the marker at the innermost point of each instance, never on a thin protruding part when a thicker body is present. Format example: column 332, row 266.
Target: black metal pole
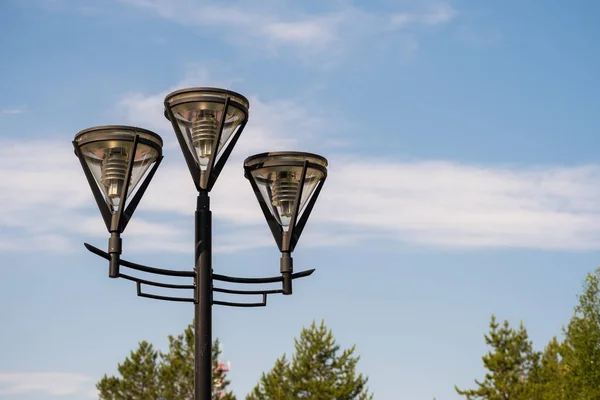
column 203, row 300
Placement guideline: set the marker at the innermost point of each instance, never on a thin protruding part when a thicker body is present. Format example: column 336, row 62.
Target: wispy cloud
column 430, row 203
column 430, row 14
column 306, row 33
column 270, row 119
column 448, row 204
column 280, row 28
column 480, row 37
column 12, row 111
column 272, row 25
column 48, row 384
column 440, row 203
column 286, row 29
column 45, row 202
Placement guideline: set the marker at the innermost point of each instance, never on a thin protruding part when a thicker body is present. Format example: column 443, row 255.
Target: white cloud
column 278, row 28
column 283, row 28
column 12, row 111
column 442, row 203
column 432, row 203
column 439, row 13
column 401, row 19
column 45, row 201
column 302, row 32
column 140, row 109
column 49, row 384
column 275, row 26
column 431, row 14
column 268, row 119
column 437, row 203
column 38, row 187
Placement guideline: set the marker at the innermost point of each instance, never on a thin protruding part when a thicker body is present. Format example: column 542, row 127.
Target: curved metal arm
column 190, row 274
column 231, row 304
column 235, row 279
column 247, row 292
column 264, row 294
column 139, row 267
column 157, row 284
column 273, row 279
column 158, row 297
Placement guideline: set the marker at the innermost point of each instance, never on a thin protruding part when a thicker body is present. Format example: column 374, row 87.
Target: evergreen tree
column 546, row 379
column 177, row 367
column 509, row 364
column 150, row 375
column 139, row 377
column 581, row 347
column 274, row 385
column 317, row 371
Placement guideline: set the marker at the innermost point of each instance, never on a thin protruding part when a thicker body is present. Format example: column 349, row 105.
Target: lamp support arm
column 287, row 268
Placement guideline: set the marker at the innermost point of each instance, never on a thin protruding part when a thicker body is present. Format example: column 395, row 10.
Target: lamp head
column 115, row 159
column 207, row 122
column 286, row 185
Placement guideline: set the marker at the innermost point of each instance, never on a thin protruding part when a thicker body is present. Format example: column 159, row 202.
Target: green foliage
column 563, row 371
column 150, row 375
column 177, row 368
column 509, row 363
column 274, row 385
column 139, row 378
column 317, row 371
column 581, row 346
column 546, row 381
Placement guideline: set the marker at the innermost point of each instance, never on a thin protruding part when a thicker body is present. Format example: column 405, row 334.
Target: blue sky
column 464, row 179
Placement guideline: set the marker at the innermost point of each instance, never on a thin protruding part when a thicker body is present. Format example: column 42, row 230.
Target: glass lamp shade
column 107, row 151
column 196, row 114
column 278, row 177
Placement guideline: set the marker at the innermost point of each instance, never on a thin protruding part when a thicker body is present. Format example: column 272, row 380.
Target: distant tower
column 218, row 378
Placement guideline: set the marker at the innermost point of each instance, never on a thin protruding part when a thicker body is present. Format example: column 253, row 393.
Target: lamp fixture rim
column 232, row 102
column 272, row 157
column 156, row 139
column 210, row 90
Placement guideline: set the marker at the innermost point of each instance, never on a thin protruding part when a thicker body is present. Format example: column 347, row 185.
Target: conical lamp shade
column 278, row 177
column 107, row 151
column 196, row 115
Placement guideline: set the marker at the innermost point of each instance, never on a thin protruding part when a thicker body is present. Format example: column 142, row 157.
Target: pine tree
column 581, row 347
column 317, row 371
column 139, row 377
column 150, row 375
column 177, row 367
column 274, row 385
column 509, row 363
column 547, row 378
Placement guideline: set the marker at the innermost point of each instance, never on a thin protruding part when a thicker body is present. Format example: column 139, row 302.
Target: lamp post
column 120, row 161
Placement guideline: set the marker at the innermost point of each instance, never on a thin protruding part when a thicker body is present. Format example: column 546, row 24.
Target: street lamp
column 286, row 185
column 120, row 161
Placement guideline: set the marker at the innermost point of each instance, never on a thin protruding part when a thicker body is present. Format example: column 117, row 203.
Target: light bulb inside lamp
column 284, row 189
column 205, row 129
column 114, row 169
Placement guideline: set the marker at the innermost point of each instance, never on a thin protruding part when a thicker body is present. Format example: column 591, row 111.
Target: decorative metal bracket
column 190, row 274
